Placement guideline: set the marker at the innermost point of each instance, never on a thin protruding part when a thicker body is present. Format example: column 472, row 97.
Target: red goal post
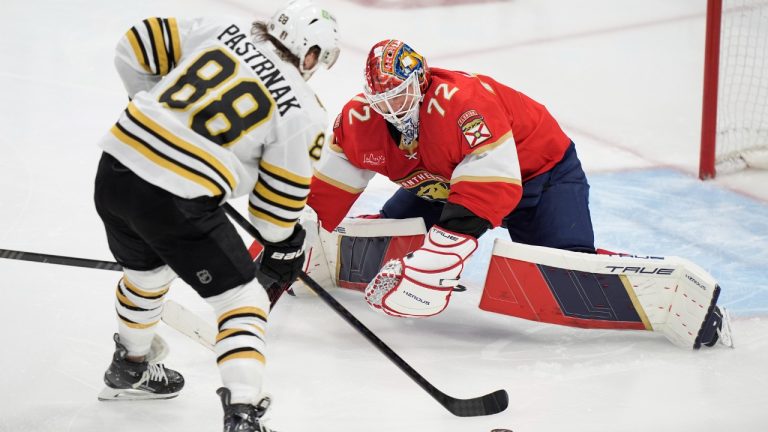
column 734, row 130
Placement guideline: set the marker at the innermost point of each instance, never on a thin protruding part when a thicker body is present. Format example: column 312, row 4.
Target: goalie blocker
column 669, row 295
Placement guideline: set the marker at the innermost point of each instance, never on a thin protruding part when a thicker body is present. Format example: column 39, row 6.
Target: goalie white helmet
column 302, row 25
column 396, row 78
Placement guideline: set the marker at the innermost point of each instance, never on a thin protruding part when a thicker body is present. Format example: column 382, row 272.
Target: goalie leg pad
column 560, row 296
column 665, row 294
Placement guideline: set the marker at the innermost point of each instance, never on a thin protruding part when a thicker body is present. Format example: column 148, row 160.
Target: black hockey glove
column 282, row 261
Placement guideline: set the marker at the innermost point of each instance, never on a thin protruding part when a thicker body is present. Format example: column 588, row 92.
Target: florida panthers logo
column 434, row 191
column 426, row 185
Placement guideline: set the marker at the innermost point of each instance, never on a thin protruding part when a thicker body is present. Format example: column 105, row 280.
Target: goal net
column 735, row 114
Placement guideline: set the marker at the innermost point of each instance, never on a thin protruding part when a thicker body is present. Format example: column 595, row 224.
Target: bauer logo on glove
column 421, row 283
column 286, row 256
column 282, row 261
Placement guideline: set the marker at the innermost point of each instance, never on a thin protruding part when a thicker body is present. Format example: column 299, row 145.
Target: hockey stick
column 59, row 259
column 489, row 404
column 175, row 315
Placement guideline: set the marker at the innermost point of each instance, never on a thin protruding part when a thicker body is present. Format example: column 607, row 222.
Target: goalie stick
column 489, row 404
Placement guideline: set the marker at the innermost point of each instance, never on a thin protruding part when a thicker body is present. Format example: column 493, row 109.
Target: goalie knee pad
column 242, row 320
column 138, row 303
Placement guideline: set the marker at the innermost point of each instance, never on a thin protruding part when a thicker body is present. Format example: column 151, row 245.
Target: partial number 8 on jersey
column 242, row 106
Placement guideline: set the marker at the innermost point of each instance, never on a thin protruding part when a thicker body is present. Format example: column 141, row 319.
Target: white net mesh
column 742, row 114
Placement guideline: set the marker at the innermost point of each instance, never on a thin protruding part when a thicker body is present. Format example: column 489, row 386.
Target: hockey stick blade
column 189, row 324
column 492, row 403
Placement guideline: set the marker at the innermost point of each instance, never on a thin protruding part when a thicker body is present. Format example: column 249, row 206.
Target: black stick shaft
column 60, row 260
column 485, row 405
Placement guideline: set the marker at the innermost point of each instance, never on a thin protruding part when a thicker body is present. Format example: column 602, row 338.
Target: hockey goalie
column 470, row 154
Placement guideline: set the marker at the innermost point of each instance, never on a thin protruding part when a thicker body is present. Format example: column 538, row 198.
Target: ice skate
column 127, row 380
column 243, row 417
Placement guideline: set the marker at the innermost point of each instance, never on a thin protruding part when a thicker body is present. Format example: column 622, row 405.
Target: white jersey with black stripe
column 213, row 113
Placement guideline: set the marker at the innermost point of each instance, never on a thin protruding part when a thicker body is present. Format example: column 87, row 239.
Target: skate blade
column 111, row 394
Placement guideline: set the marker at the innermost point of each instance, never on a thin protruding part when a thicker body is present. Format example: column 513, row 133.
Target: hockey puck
column 501, row 430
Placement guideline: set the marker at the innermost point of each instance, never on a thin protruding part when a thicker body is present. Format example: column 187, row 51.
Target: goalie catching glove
column 420, row 284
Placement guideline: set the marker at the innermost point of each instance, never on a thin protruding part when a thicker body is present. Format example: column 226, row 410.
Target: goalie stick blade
column 492, row 403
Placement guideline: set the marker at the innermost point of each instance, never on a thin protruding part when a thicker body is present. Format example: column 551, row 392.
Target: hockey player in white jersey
column 217, row 111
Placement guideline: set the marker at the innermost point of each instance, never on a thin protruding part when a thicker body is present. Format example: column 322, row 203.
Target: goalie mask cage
column 735, row 104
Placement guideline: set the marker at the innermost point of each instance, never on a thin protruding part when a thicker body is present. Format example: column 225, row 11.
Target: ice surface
column 623, row 78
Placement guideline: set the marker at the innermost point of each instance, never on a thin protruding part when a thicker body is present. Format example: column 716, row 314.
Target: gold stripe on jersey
column 151, row 154
column 171, row 140
column 278, row 198
column 486, row 179
column 265, row 215
column 284, row 175
column 269, row 194
column 152, row 47
column 337, row 184
column 158, row 40
column 174, row 43
column 138, row 292
column 241, row 353
column 138, row 48
column 183, row 146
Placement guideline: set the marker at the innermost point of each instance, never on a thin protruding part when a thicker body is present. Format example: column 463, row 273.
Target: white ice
column 624, row 79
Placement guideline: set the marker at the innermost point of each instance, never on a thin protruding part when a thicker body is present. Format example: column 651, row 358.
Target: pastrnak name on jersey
column 236, row 40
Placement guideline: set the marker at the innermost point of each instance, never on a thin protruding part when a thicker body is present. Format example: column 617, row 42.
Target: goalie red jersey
column 477, row 142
